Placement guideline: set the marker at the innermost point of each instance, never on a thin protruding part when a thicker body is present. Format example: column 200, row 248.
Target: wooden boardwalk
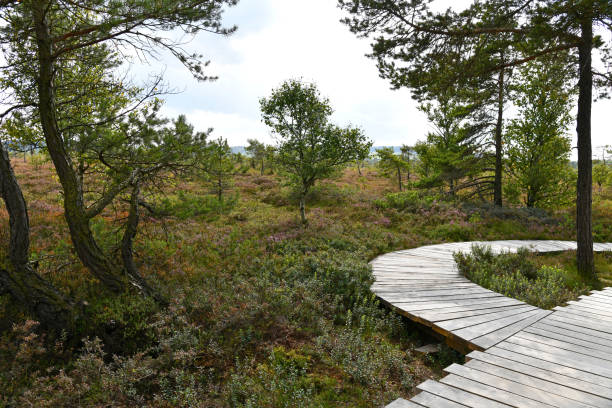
column 519, row 355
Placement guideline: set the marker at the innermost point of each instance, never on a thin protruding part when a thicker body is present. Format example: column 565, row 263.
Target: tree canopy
column 412, row 41
column 310, row 148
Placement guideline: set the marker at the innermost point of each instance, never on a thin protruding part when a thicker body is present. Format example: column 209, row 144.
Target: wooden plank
column 564, row 396
column 426, row 399
column 572, row 320
column 495, row 337
column 493, row 393
column 564, row 344
column 586, row 321
column 402, row 403
column 524, row 395
column 436, row 317
column 459, row 395
column 577, row 342
column 597, row 297
column 550, row 363
column 464, row 308
column 596, row 300
column 416, row 288
column 570, row 333
column 558, row 321
column 474, row 320
column 469, row 298
column 588, row 391
column 482, row 329
column 445, row 292
column 406, row 299
column 407, row 283
column 465, row 303
column 581, row 362
column 591, row 304
column 595, row 311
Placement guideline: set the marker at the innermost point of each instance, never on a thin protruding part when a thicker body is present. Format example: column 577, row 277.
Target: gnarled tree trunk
column 82, row 238
column 114, row 276
column 131, row 228
column 17, row 277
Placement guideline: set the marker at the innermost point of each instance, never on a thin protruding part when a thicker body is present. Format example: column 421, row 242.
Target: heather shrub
column 515, row 275
column 410, row 201
column 368, row 361
column 187, row 205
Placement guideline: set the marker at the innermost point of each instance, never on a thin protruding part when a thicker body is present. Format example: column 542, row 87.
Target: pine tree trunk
column 399, row 179
column 303, row 208
column 584, row 190
column 497, row 184
column 74, row 208
column 17, row 277
column 127, row 251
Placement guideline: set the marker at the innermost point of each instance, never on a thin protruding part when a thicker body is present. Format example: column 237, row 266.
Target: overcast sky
column 281, row 39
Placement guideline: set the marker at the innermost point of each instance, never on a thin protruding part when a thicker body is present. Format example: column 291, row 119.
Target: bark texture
column 584, row 233
column 78, row 217
column 17, row 277
column 497, row 184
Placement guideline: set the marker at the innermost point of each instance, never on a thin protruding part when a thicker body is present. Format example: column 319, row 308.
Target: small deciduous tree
column 392, row 165
column 601, row 175
column 258, row 152
column 309, row 147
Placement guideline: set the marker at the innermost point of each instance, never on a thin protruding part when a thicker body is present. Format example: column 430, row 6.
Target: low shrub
column 515, row 275
column 410, row 201
column 281, row 382
column 123, row 323
column 186, row 205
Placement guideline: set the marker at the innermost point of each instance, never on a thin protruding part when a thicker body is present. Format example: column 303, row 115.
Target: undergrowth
column 263, row 312
column 516, row 275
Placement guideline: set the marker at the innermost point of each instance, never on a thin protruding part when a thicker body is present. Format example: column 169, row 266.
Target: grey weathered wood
column 567, row 357
column 426, row 399
column 458, row 395
column 539, row 360
column 492, row 393
column 558, row 321
column 482, row 319
column 489, row 340
column 482, row 329
column 464, row 304
column 560, row 394
column 567, row 334
column 565, row 344
column 537, row 371
column 570, row 339
column 437, row 317
column 530, row 358
column 402, row 403
column 521, row 390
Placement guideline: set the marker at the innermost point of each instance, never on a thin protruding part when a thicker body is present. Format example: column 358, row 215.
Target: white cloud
column 231, row 126
column 281, row 39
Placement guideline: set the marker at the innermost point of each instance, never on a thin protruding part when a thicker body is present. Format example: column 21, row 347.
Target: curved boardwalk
column 519, row 355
